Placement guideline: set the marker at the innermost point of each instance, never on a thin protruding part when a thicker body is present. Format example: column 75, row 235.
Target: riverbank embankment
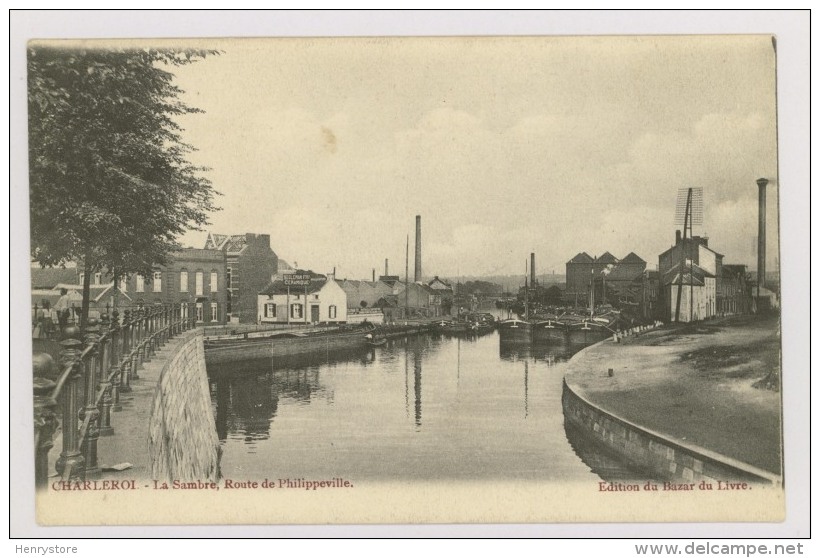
column 702, row 385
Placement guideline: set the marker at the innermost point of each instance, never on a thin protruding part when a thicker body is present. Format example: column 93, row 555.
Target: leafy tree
column 110, row 183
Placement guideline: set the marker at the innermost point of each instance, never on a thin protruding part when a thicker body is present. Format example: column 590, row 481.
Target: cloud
column 556, row 155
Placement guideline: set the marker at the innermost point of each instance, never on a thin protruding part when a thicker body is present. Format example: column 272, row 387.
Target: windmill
column 688, row 212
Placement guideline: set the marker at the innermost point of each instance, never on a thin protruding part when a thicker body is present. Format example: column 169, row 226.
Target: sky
column 504, row 146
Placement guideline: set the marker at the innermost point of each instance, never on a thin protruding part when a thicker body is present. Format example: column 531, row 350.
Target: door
column 314, row 313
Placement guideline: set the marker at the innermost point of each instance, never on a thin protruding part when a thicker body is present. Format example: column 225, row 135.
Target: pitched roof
column 697, row 276
column 215, row 241
column 440, row 281
column 581, row 257
column 632, row 257
column 47, row 278
column 606, row 258
column 279, row 288
column 623, row 274
column 231, row 243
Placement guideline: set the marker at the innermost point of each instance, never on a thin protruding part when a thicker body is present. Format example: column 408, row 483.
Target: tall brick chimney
column 417, row 276
column 761, row 232
column 532, row 269
column 385, row 267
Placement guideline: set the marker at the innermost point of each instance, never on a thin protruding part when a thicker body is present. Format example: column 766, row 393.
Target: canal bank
column 681, row 401
column 226, row 349
column 164, row 428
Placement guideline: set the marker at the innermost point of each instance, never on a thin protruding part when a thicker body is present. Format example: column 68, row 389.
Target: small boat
column 375, row 341
column 454, row 328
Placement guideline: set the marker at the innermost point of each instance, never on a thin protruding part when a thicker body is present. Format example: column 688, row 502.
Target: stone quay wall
column 652, row 452
column 183, row 442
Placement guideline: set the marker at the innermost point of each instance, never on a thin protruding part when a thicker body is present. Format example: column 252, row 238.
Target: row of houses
column 217, row 284
column 237, row 279
column 327, row 300
column 707, row 286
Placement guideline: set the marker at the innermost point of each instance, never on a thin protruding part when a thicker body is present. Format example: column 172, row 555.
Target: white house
column 323, row 301
column 698, row 299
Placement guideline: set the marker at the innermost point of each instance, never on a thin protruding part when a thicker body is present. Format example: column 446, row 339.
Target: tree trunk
column 86, row 293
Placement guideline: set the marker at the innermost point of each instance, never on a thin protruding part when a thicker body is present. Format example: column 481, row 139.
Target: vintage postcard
column 406, row 280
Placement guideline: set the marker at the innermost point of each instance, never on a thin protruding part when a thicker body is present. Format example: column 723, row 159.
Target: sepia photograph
column 406, row 280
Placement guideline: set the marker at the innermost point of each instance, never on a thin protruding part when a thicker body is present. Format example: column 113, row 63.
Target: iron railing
column 96, row 366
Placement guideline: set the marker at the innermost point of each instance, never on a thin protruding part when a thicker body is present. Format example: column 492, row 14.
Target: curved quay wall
column 652, row 452
column 183, row 442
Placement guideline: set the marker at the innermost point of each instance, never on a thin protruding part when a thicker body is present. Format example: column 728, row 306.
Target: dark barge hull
column 515, row 331
column 285, row 345
column 549, row 331
column 245, row 349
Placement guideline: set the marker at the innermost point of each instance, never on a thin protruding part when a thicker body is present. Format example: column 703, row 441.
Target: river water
column 425, row 407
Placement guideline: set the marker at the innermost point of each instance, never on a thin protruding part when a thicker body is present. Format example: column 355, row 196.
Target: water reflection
column 548, row 353
column 488, row 411
column 604, row 464
column 247, row 403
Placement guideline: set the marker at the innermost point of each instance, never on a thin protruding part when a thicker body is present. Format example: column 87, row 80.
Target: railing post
column 45, row 419
column 70, row 463
column 90, row 409
column 167, row 320
column 108, row 367
column 139, row 346
column 114, row 376
column 149, row 334
column 125, row 361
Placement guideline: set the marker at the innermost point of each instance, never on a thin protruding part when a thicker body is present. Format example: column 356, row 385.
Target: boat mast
column 592, row 292
column 526, row 293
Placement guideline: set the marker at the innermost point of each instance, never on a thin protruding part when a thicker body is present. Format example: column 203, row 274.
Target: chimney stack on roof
column 532, row 269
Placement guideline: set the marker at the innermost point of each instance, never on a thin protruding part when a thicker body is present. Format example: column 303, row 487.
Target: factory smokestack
column 417, row 276
column 385, row 267
column 532, row 269
column 374, row 274
column 761, row 233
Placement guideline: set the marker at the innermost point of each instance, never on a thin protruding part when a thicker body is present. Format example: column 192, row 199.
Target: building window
column 157, row 281
column 140, row 284
column 214, row 312
column 296, row 310
column 183, row 311
column 183, row 281
column 199, row 283
column 331, row 311
column 199, row 317
column 270, row 310
column 228, row 278
column 97, row 278
column 124, row 285
column 214, row 282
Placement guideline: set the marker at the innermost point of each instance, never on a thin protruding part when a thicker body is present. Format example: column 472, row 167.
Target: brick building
column 250, row 267
column 612, row 279
column 194, row 279
column 734, row 295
